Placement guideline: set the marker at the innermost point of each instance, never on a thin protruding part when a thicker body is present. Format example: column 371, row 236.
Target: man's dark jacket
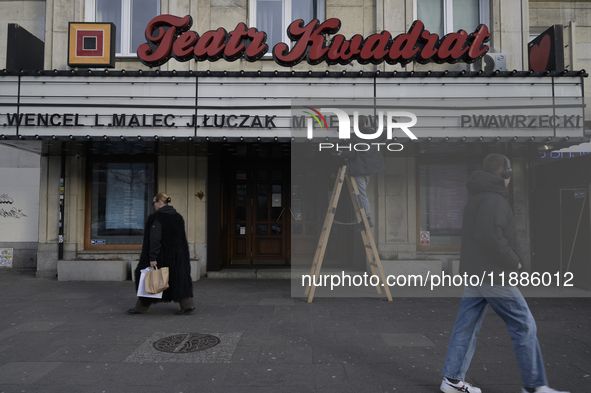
column 489, row 234
column 364, row 163
column 173, row 253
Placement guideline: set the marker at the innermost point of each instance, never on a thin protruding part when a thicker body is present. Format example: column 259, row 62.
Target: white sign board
column 249, row 107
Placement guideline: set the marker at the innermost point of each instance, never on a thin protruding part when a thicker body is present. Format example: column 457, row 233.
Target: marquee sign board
column 268, row 107
column 168, row 36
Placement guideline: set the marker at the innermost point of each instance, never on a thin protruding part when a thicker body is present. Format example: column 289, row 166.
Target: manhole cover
column 189, row 342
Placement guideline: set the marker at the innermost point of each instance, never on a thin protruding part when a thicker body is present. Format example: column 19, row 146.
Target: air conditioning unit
column 490, row 62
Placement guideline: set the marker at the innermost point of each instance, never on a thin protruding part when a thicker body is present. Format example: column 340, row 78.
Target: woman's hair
column 162, row 197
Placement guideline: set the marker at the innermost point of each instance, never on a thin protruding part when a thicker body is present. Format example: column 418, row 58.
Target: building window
column 274, row 16
column 447, row 16
column 120, row 202
column 442, row 198
column 129, row 16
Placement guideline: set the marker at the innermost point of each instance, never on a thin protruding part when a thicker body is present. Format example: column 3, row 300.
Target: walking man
column 489, row 244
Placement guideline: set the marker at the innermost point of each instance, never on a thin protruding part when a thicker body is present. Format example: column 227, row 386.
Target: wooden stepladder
column 371, row 250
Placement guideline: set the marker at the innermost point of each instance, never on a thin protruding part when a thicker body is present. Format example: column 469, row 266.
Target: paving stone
column 78, row 352
column 243, row 389
column 293, row 308
column 323, row 338
column 255, row 375
column 406, row 340
column 251, row 326
column 290, row 327
column 316, row 375
column 339, row 354
column 276, row 302
column 257, row 339
column 376, row 327
column 107, row 388
column 289, row 354
column 367, row 339
column 30, row 346
column 246, row 354
column 257, row 309
column 382, row 354
column 363, row 388
column 320, row 324
column 25, row 372
column 116, row 354
column 385, row 374
column 297, row 389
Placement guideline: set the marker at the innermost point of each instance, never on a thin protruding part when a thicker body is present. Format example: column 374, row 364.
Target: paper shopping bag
column 157, row 280
column 141, row 289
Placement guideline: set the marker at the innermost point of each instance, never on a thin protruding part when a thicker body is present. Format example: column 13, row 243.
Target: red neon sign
column 169, row 36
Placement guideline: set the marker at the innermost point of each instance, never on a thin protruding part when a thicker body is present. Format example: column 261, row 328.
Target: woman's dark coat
column 174, row 254
column 489, row 234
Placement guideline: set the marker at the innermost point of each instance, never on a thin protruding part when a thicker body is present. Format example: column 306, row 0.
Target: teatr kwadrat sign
column 169, row 36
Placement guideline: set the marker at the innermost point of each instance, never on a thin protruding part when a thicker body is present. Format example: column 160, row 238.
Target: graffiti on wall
column 19, row 204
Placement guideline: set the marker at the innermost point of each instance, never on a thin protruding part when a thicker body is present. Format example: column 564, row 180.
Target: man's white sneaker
column 544, row 389
column 449, row 387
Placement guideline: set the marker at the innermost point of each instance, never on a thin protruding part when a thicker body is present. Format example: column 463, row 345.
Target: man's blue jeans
column 510, row 305
column 362, row 182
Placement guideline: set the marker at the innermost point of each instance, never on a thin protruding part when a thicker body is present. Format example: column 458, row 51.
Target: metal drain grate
column 184, row 343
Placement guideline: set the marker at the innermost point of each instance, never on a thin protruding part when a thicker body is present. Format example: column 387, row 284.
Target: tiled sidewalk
column 75, row 337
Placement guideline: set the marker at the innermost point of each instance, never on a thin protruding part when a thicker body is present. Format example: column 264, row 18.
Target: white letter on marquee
column 403, row 126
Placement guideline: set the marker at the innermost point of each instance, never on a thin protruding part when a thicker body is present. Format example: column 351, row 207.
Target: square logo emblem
column 91, row 45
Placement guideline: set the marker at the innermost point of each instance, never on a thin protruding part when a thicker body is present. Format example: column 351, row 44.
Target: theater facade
column 233, row 150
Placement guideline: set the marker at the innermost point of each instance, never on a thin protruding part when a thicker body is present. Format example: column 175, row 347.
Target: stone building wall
column 28, row 14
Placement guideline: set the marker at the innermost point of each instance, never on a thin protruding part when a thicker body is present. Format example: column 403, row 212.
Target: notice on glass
column 425, row 238
column 125, row 199
column 276, row 200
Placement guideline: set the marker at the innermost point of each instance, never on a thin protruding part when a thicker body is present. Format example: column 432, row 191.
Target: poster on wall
column 19, row 204
column 6, row 257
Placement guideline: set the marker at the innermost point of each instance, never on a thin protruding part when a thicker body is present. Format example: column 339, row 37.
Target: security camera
column 77, row 156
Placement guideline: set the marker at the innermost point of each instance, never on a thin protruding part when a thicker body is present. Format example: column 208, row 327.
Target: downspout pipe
column 60, row 250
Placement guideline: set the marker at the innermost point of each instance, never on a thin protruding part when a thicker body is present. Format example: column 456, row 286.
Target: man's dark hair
column 494, row 163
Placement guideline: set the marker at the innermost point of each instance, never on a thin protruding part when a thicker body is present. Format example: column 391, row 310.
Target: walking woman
column 165, row 245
